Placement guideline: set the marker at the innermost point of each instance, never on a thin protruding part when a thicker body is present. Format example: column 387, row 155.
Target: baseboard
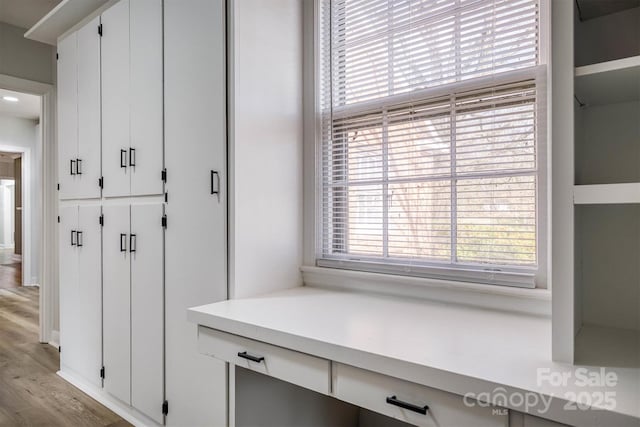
column 55, row 339
column 30, row 284
column 123, row 410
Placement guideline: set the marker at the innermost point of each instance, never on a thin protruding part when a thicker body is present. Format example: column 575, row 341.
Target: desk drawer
column 288, row 365
column 389, row 396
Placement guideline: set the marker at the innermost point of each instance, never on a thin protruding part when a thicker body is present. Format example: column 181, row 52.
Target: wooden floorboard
column 31, row 394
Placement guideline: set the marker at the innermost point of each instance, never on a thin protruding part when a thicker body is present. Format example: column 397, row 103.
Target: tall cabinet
column 196, row 235
column 143, row 205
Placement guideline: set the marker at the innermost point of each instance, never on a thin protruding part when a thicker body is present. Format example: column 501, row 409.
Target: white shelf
column 62, row 18
column 609, row 82
column 609, row 347
column 606, row 194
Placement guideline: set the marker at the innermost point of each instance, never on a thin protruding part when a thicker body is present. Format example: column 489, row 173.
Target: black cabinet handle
column 393, row 400
column 215, row 178
column 247, row 356
column 78, row 166
column 73, row 237
column 132, row 242
column 123, row 242
column 79, row 238
column 132, row 156
column 72, row 167
column 123, row 158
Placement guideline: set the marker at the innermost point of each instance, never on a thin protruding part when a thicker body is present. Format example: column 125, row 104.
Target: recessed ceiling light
column 10, row 98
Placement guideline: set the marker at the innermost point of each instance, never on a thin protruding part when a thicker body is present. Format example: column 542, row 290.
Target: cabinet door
column 71, row 357
column 67, row 115
column 88, row 162
column 195, row 265
column 147, row 310
column 89, row 293
column 117, row 302
column 115, row 100
column 146, row 96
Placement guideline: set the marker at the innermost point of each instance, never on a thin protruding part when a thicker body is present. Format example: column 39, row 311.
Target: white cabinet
column 79, row 168
column 133, row 306
column 80, row 291
column 195, row 149
column 132, row 98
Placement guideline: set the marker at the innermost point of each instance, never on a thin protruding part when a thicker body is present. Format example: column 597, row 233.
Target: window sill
column 519, row 300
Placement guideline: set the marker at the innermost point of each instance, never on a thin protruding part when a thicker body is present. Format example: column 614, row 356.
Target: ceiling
column 594, row 8
column 25, row 13
column 27, row 107
column 9, row 157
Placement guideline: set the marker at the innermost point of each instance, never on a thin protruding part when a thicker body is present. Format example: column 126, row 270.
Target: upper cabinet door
column 88, row 162
column 116, row 144
column 67, row 115
column 146, row 96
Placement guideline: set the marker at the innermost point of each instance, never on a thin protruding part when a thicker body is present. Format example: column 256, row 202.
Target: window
column 432, row 138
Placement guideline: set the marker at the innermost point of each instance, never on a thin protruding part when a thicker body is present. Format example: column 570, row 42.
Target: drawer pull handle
column 247, row 356
column 393, row 400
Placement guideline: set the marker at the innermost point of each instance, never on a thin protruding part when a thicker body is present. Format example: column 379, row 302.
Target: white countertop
column 450, row 347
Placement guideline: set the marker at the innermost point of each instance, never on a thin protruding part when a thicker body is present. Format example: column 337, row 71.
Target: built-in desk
column 364, row 349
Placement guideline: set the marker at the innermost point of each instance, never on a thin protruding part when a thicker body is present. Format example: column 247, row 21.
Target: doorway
column 22, row 191
column 10, row 220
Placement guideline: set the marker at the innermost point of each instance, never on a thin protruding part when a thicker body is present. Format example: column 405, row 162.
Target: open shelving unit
column 606, row 192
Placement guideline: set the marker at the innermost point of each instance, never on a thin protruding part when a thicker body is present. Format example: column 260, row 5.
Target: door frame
column 49, row 241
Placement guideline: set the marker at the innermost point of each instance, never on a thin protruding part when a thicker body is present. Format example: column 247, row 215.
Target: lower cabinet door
column 117, row 302
column 147, row 310
column 71, row 357
column 89, row 293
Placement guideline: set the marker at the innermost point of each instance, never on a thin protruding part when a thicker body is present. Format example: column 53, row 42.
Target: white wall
column 21, row 135
column 607, row 37
column 265, row 147
column 23, row 58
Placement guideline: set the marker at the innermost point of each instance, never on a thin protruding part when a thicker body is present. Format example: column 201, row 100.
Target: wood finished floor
column 31, row 394
column 10, row 269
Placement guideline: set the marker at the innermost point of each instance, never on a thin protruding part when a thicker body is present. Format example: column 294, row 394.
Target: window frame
column 523, row 277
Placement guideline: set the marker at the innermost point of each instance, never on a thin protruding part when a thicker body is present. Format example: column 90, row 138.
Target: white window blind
column 430, row 132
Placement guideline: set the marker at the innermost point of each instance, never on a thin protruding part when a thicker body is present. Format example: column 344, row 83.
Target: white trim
column 561, row 222
column 123, row 410
column 525, row 301
column 525, row 278
column 55, row 339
